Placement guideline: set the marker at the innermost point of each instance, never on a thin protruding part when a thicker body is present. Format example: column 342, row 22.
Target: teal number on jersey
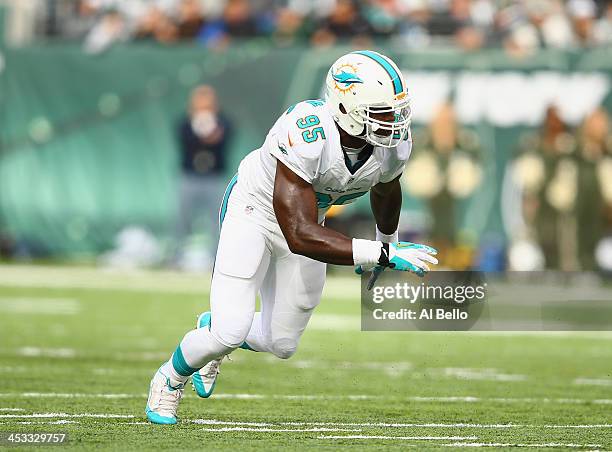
column 311, row 135
column 308, row 121
column 324, row 200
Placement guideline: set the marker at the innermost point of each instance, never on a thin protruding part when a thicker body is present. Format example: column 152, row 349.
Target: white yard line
column 75, row 395
column 31, row 352
column 282, row 430
column 593, row 381
column 406, row 438
column 399, row 368
column 39, row 306
column 102, row 279
column 227, row 426
column 60, row 422
column 570, row 445
column 12, row 409
column 68, row 415
column 390, row 425
column 356, row 397
column 15, row 369
column 478, row 374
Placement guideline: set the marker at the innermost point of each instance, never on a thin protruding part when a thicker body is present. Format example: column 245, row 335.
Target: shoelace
column 214, row 369
column 168, row 401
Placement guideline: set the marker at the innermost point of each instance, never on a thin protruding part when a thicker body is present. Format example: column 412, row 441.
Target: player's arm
column 295, row 206
column 386, row 203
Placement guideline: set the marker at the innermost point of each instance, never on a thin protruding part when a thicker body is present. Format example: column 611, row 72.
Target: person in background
column 203, row 137
column 445, row 171
column 594, row 185
column 237, row 21
column 546, row 172
column 190, row 19
column 344, row 23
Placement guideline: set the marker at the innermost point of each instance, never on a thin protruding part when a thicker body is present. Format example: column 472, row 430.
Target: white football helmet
column 363, row 83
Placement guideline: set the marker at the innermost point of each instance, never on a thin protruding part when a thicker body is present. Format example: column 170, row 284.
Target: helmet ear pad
column 342, row 109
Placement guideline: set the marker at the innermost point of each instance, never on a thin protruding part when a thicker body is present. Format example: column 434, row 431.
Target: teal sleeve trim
column 180, row 365
column 246, row 346
column 226, row 195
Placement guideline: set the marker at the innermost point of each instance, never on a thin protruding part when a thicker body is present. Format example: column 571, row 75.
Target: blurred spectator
column 345, row 22
column 521, row 26
column 457, row 22
column 109, row 30
column 546, row 173
column 237, row 21
column 383, row 16
column 190, row 19
column 594, row 185
column 290, row 26
column 602, row 32
column 536, row 24
column 444, row 171
column 583, row 14
column 204, row 134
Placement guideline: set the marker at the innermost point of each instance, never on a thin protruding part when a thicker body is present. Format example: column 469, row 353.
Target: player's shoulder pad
column 307, row 126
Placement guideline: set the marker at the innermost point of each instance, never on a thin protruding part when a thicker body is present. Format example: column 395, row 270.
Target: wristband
column 366, row 252
column 387, row 238
column 383, row 259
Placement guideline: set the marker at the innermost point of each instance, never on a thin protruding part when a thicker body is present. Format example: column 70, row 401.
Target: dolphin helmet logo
column 346, row 77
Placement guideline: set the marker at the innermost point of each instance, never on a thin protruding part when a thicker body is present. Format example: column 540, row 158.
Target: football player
column 273, row 239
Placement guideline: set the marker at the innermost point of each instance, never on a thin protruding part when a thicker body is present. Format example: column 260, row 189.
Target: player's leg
column 242, row 262
column 294, row 303
column 291, row 290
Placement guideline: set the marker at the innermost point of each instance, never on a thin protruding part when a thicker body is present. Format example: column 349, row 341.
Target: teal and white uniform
column 253, row 256
column 307, row 141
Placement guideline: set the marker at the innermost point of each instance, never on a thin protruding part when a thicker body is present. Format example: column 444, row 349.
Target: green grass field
column 78, row 348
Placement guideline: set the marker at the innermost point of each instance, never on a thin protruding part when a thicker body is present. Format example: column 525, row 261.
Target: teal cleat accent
column 197, row 381
column 204, row 319
column 159, row 419
column 205, row 379
column 163, row 400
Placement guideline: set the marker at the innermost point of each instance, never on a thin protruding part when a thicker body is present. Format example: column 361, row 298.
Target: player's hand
column 411, row 257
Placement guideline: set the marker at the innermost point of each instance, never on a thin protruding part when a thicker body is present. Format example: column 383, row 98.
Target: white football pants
column 253, row 257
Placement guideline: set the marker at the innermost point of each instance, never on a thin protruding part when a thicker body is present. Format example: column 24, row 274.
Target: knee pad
column 284, row 348
column 230, row 339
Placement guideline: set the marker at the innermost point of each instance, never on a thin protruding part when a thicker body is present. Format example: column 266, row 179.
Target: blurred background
column 121, row 122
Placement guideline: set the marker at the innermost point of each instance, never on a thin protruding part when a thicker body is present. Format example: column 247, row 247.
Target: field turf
column 78, row 348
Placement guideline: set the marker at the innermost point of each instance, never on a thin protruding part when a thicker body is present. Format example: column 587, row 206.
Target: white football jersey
column 305, row 139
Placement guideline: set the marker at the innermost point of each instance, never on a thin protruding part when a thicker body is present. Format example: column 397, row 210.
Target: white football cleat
column 204, row 380
column 163, row 400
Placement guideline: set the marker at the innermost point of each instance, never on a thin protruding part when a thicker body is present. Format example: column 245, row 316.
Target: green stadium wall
column 88, row 144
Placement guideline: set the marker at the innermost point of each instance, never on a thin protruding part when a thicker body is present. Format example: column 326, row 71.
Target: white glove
column 412, row 257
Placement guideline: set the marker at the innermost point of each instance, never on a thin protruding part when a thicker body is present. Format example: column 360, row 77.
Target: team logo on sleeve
column 346, row 77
